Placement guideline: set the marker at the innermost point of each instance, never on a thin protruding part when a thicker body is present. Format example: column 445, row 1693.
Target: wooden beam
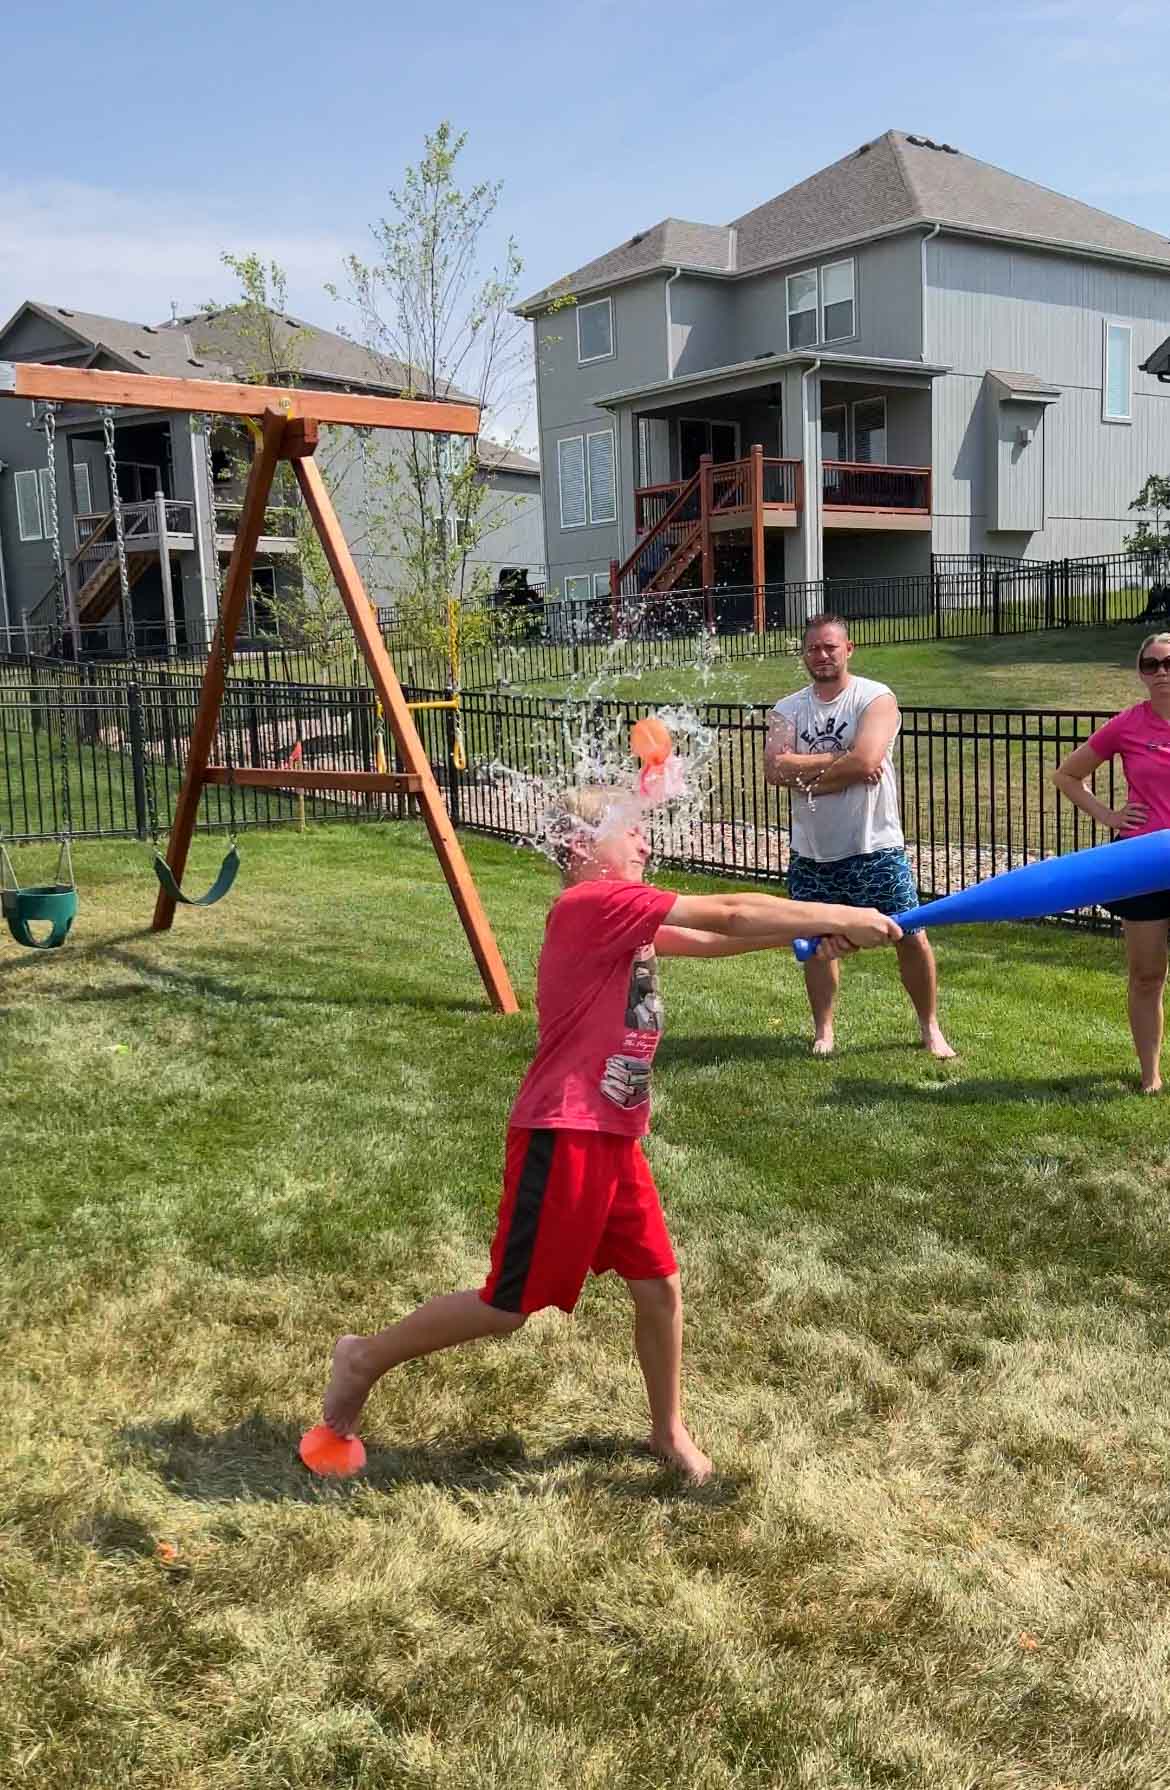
column 29, row 379
column 443, row 836
column 264, row 464
column 389, row 783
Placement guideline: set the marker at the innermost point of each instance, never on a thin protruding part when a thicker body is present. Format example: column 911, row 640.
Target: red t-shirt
column 599, row 1009
column 1142, row 739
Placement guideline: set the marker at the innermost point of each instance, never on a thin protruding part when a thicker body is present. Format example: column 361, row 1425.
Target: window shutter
column 28, row 506
column 602, row 494
column 82, row 491
column 571, row 477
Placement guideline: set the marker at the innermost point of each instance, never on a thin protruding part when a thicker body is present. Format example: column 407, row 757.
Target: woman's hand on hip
column 1129, row 818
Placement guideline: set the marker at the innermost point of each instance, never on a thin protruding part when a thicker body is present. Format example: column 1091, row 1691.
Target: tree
column 1146, row 541
column 439, row 319
column 268, row 350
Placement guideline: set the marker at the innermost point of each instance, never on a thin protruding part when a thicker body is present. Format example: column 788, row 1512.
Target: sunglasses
column 1151, row 667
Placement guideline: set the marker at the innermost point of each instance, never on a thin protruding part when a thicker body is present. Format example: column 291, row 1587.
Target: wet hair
column 577, row 816
column 828, row 620
column 1151, row 640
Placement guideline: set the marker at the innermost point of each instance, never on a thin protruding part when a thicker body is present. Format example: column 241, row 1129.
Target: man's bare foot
column 677, row 1449
column 935, row 1043
column 1152, row 1087
column 823, row 1042
column 349, row 1385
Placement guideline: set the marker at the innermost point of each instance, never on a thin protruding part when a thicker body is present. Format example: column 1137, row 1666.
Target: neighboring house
column 909, row 351
column 173, row 542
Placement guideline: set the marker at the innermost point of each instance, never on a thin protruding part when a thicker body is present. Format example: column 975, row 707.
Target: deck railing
column 857, row 485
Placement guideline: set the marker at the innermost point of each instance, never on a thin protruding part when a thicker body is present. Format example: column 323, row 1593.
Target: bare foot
column 1153, row 1087
column 349, row 1385
column 935, row 1043
column 823, row 1043
column 678, row 1450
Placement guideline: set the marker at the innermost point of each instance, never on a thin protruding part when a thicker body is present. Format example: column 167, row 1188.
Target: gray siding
column 887, row 296
column 703, row 324
column 567, row 408
column 1025, row 311
column 512, row 527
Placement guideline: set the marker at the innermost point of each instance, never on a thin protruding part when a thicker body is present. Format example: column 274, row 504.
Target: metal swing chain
column 129, row 634
column 66, row 858
column 217, row 578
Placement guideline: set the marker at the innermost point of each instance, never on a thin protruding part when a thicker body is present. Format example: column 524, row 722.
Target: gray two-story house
column 911, row 351
column 181, row 486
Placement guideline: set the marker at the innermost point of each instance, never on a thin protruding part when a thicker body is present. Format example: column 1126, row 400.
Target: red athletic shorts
column 573, row 1201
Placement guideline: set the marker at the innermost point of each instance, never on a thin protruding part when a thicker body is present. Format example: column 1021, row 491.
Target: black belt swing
column 229, row 869
column 55, row 903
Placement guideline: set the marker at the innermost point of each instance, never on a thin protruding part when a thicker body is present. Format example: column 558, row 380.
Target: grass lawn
column 1077, row 668
column 927, row 1310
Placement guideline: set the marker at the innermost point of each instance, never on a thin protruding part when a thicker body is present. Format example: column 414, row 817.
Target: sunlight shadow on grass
column 256, row 1462
column 988, row 1091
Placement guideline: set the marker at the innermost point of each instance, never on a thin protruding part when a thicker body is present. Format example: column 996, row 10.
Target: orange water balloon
column 650, row 740
column 332, row 1456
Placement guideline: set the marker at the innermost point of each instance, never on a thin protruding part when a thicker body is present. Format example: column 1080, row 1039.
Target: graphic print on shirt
column 825, row 735
column 626, row 1078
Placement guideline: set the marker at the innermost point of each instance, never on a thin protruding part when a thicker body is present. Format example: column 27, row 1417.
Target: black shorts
column 1142, row 907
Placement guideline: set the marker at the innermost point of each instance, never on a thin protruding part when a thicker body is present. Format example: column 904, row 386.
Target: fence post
column 1050, row 594
column 995, row 584
column 137, row 758
column 615, row 610
column 454, row 803
column 936, row 598
column 983, row 588
column 254, row 729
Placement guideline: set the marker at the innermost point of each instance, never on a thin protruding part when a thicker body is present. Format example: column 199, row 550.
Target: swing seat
column 219, row 888
column 54, row 903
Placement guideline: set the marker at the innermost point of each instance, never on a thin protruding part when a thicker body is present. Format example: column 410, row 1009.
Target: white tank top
column 849, row 822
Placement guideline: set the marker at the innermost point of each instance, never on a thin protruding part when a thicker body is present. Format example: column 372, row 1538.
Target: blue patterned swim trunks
column 881, row 879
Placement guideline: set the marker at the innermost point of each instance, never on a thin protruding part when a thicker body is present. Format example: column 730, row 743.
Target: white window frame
column 846, row 261
column 588, row 360
column 802, row 273
column 25, row 535
column 601, row 521
column 564, row 442
column 828, row 409
column 853, row 408
column 572, row 596
column 80, row 469
column 601, row 584
column 454, row 524
column 1108, row 416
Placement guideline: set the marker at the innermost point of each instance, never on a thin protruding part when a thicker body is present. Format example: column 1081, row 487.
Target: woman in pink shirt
column 1140, row 737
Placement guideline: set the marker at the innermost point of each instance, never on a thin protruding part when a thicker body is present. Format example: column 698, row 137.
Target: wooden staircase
column 667, row 549
column 92, row 574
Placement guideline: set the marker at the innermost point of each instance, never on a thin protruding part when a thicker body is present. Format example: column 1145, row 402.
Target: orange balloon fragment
column 650, row 740
column 330, row 1455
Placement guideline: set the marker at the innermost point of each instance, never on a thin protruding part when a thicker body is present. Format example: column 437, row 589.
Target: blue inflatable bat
column 1089, row 878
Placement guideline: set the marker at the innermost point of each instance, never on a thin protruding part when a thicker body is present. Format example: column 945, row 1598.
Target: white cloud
column 130, row 255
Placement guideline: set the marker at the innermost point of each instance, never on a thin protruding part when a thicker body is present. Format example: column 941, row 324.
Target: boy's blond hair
column 577, row 815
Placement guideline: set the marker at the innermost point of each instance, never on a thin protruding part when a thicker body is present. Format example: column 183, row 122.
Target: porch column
column 164, row 572
column 758, row 550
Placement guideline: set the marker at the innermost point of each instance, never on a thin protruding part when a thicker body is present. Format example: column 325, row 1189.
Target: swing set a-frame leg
column 287, row 438
column 272, row 449
column 438, row 822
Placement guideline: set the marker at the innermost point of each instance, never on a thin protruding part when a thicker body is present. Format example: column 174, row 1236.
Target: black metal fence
column 546, row 640
column 975, row 784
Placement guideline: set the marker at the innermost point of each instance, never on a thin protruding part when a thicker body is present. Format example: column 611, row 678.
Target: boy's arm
column 761, row 922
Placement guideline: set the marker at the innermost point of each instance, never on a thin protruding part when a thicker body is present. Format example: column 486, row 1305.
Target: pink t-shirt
column 1142, row 740
column 599, row 1009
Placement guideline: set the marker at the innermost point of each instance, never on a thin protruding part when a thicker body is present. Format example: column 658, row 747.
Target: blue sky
column 165, row 136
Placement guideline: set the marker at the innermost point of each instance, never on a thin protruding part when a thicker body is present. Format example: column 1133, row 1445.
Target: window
column 585, row 476
column 28, row 506
column 802, row 309
column 460, row 532
column 601, row 584
column 869, row 431
column 571, row 480
column 577, row 589
column 834, row 432
column 1116, row 392
column 82, row 489
column 837, row 301
column 451, row 453
column 595, row 331
column 602, row 488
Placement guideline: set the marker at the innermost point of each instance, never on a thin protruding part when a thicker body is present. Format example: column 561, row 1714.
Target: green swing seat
column 219, row 888
column 54, row 903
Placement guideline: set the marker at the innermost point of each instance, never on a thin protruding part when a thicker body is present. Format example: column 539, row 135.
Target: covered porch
column 769, row 472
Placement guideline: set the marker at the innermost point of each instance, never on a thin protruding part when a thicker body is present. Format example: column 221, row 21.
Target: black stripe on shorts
column 521, row 1242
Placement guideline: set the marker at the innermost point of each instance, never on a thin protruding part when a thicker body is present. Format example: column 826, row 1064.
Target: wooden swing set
column 288, row 420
